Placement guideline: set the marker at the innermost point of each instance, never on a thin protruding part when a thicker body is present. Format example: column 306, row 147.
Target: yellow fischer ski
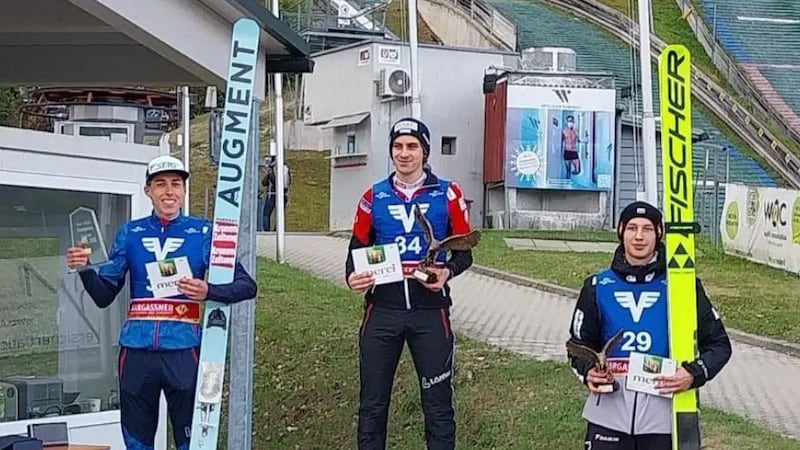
column 676, row 150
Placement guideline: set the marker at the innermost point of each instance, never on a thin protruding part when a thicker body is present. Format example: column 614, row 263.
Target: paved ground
column 535, row 323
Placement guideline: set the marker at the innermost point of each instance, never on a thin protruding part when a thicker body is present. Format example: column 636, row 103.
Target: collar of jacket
column 157, row 221
column 643, row 273
column 431, row 179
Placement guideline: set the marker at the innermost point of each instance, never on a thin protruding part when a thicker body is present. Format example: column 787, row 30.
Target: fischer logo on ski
column 225, row 234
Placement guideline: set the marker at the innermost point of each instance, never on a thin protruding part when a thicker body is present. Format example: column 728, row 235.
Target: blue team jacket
column 149, row 239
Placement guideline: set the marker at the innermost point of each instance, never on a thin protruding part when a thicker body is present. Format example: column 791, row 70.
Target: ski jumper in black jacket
column 633, row 298
column 407, row 311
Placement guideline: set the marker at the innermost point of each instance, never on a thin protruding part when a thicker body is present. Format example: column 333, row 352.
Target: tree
column 11, row 99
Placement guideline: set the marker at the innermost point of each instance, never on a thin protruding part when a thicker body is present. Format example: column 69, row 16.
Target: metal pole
column 240, row 406
column 412, row 42
column 185, row 120
column 714, row 25
column 648, row 118
column 279, row 181
column 716, row 196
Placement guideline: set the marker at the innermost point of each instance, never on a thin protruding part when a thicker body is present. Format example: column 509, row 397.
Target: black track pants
column 383, row 333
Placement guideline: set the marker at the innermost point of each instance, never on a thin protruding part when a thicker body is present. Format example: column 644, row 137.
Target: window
column 448, row 145
column 351, row 142
column 56, row 345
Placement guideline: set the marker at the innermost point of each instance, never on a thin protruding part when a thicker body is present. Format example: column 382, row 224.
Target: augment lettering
column 235, row 124
column 231, row 173
column 230, row 195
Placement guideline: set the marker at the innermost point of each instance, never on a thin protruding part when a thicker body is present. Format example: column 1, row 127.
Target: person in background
column 269, row 183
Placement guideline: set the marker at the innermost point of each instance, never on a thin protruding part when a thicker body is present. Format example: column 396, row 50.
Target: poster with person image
column 564, row 142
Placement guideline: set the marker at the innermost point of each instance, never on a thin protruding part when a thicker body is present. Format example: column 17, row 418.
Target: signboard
column 762, row 224
column 560, row 138
column 364, row 56
column 388, row 54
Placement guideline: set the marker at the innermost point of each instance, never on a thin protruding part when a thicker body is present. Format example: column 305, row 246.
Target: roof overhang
column 346, row 121
column 142, row 42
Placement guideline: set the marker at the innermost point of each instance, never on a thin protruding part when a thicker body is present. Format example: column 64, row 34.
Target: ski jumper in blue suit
column 160, row 340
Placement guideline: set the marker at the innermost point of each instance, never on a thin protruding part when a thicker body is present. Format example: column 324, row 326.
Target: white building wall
column 452, row 105
column 47, row 160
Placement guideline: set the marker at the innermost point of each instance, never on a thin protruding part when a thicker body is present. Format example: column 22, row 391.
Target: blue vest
column 142, row 241
column 188, row 237
column 393, row 219
column 640, row 310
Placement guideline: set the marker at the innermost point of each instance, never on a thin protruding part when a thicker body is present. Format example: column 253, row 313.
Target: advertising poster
column 762, row 224
column 560, row 138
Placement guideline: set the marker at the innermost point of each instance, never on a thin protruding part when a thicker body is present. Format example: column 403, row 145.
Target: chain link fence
column 710, row 179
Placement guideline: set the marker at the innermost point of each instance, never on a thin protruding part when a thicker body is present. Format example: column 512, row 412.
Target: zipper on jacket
column 633, row 414
column 155, row 335
column 405, row 291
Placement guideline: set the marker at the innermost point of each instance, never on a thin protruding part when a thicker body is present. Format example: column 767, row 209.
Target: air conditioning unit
column 550, row 59
column 394, row 83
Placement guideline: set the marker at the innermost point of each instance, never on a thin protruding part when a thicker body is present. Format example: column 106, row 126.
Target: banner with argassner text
column 762, row 224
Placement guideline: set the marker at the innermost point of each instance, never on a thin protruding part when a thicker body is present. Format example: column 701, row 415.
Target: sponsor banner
column 163, row 309
column 762, row 224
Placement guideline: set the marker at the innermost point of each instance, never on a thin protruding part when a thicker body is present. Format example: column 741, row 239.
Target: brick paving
column 535, row 323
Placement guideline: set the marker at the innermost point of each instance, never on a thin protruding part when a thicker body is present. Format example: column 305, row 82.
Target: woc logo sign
column 775, row 213
column 637, row 306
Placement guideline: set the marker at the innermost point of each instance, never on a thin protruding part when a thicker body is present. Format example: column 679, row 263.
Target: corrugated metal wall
column 630, row 166
column 494, row 137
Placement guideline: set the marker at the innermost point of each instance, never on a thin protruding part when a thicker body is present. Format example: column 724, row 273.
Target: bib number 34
column 404, row 244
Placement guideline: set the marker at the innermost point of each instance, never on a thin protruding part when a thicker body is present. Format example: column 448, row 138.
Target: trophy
column 85, row 233
column 454, row 242
column 599, row 360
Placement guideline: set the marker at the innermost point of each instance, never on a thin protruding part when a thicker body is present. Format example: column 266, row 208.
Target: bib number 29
column 636, row 342
column 403, row 244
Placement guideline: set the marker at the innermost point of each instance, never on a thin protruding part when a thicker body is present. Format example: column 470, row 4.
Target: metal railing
column 488, row 18
column 731, row 69
column 710, row 179
column 749, row 128
column 320, row 15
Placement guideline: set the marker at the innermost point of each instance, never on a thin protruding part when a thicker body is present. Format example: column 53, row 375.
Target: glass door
column 54, row 341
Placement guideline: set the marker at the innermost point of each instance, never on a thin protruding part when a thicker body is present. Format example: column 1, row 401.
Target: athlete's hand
column 360, row 281
column 442, row 275
column 679, row 382
column 77, row 257
column 193, row 288
column 596, row 378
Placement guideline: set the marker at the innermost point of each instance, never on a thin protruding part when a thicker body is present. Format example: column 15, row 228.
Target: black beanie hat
column 640, row 209
column 413, row 127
